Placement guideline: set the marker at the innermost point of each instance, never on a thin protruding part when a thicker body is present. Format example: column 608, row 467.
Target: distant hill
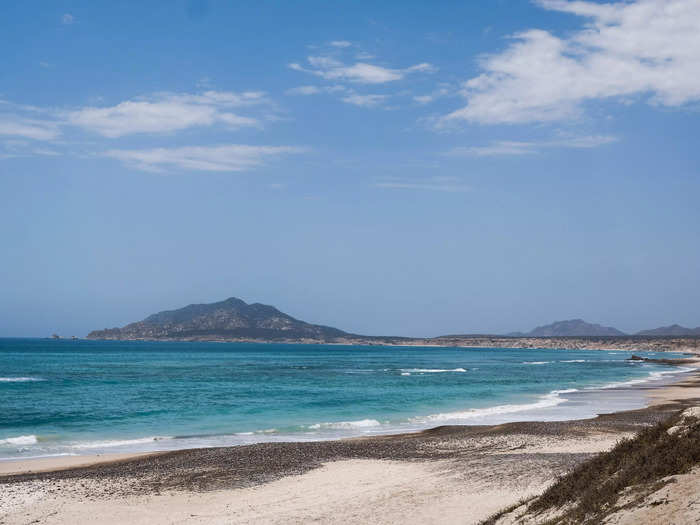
column 571, row 328
column 225, row 320
column 673, row 330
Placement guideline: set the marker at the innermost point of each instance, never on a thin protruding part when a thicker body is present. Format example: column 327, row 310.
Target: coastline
column 689, row 344
column 462, row 472
column 562, row 403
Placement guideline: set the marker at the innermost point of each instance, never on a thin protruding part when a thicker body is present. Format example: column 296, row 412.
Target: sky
column 389, row 168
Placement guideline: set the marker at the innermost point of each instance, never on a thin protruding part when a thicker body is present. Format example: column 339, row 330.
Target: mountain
column 571, row 328
column 231, row 319
column 673, row 330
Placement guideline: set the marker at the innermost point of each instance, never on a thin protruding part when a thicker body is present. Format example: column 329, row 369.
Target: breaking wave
column 345, row 425
column 431, row 370
column 546, row 401
column 19, row 440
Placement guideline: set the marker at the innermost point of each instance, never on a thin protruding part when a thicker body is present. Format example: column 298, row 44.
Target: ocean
column 65, row 397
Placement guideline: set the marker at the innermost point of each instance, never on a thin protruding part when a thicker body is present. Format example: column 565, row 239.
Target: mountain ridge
column 570, row 328
column 231, row 318
column 235, row 320
column 672, row 330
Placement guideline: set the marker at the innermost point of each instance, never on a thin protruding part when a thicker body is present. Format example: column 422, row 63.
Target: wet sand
column 48, row 464
column 458, row 474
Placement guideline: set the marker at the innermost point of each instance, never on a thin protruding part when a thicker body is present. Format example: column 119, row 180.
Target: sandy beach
column 453, row 474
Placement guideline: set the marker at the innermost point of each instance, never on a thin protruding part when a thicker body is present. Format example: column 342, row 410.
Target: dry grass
column 493, row 518
column 592, row 490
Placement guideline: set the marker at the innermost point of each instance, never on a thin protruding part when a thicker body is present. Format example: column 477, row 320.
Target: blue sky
column 408, row 168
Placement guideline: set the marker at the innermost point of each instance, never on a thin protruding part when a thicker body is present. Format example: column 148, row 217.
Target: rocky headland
column 234, row 320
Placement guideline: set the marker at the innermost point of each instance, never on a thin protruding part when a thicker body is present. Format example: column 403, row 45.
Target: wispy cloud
column 431, row 97
column 330, row 68
column 67, row 19
column 438, row 183
column 35, row 129
column 166, row 113
column 364, row 55
column 314, row 90
column 22, row 121
column 221, row 158
column 348, row 95
column 365, row 101
column 304, row 90
column 157, row 114
column 14, row 148
column 347, row 75
column 643, row 48
column 510, row 148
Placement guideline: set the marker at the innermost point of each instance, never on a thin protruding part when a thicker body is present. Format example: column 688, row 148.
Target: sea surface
column 61, row 397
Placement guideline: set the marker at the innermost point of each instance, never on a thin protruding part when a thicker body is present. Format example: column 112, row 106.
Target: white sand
column 354, row 491
column 677, row 503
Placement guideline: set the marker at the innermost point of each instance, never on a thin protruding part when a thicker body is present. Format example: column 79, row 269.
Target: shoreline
column 689, row 344
column 647, row 388
column 42, row 465
column 658, row 395
column 459, row 474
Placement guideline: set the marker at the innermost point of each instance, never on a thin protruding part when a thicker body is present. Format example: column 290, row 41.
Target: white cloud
column 341, row 43
column 330, row 68
column 44, row 152
column 426, row 99
column 496, row 149
column 646, row 48
column 222, row 158
column 11, row 125
column 166, row 113
column 14, row 148
column 67, row 19
column 509, row 147
column 315, row 90
column 304, row 90
column 366, row 101
column 438, row 183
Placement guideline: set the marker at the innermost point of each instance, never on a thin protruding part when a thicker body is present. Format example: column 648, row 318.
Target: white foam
column 15, row 458
column 405, row 373
column 432, row 370
column 19, row 440
column 653, row 376
column 120, row 442
column 536, row 362
column 344, row 425
column 19, row 379
column 573, row 361
column 546, row 401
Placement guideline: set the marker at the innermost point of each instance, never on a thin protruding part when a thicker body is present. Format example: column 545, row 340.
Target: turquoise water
column 85, row 397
